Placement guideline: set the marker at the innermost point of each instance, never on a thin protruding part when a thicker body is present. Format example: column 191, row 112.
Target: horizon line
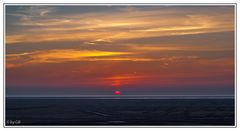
column 120, row 95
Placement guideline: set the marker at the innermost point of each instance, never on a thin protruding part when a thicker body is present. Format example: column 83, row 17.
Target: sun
column 117, row 93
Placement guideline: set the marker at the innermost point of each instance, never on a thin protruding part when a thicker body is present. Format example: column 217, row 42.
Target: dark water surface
column 135, row 112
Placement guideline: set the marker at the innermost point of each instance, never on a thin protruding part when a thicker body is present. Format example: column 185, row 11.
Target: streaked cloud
column 120, row 24
column 58, row 56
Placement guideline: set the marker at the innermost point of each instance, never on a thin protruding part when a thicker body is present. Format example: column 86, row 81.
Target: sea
column 120, row 111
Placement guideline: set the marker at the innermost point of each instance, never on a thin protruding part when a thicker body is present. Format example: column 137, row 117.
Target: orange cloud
column 120, row 25
column 120, row 80
column 57, row 56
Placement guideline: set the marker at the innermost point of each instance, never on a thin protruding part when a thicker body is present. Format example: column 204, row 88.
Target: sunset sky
column 138, row 50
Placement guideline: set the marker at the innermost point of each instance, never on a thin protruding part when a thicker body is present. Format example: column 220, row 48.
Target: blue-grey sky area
column 66, row 50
